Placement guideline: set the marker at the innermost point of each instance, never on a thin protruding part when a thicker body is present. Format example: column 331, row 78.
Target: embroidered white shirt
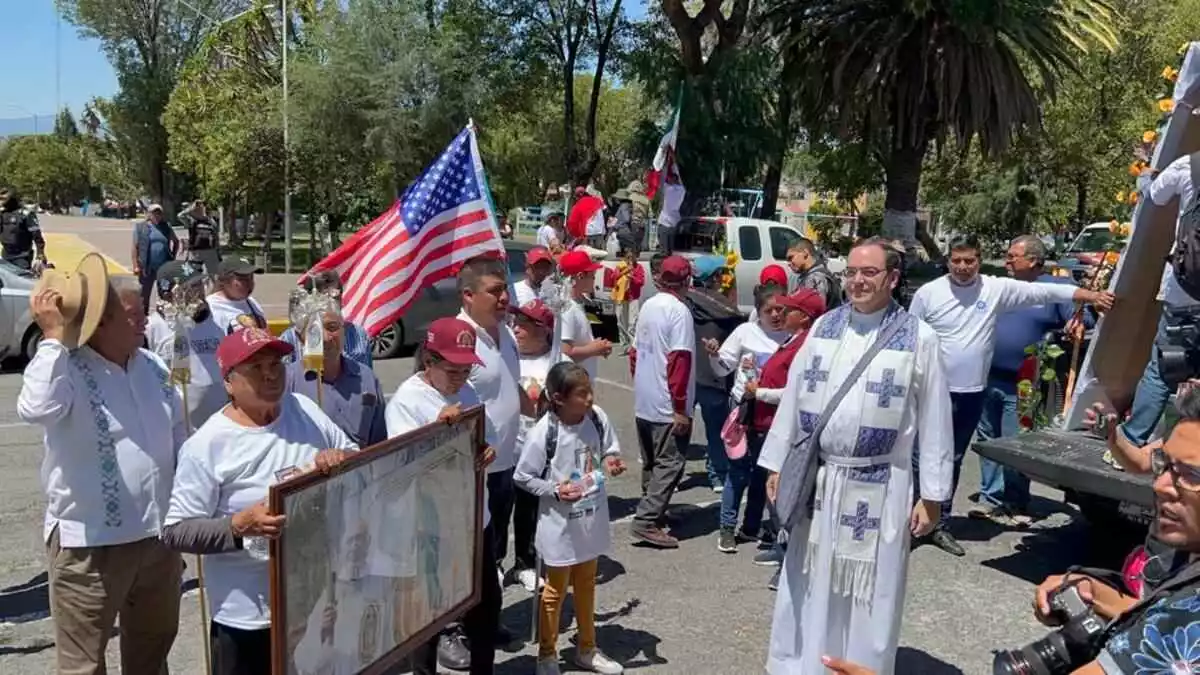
column 111, row 438
column 497, row 384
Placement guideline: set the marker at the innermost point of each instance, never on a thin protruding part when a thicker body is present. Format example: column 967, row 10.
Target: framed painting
column 377, row 558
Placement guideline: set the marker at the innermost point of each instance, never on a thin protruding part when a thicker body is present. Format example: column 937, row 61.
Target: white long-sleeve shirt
column 112, row 435
column 964, row 318
column 1174, row 181
column 745, row 352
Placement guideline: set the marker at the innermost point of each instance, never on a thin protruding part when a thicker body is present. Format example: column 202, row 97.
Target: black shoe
column 727, row 541
column 453, row 652
column 771, row 557
column 942, row 539
column 504, row 637
column 773, row 584
column 743, row 538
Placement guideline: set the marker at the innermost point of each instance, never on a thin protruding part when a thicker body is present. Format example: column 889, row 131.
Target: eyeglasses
column 867, row 272
column 1183, row 476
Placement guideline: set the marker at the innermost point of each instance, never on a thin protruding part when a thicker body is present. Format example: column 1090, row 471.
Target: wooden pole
column 183, row 377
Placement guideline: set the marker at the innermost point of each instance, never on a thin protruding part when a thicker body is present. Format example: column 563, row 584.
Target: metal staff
column 181, row 375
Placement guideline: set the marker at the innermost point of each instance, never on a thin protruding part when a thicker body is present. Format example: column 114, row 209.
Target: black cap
column 179, row 272
column 238, row 266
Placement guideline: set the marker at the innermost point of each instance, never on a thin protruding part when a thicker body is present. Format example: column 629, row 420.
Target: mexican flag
column 665, row 167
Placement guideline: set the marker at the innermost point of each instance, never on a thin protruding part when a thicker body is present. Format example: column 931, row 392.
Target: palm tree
column 903, row 74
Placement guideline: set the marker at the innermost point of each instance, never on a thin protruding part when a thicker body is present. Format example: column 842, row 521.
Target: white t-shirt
column 496, row 384
column 664, row 325
column 570, row 532
column 416, row 403
column 964, row 318
column 524, row 292
column 595, row 226
column 577, row 330
column 226, row 467
column 206, row 391
column 534, row 368
column 745, row 352
column 547, row 236
column 233, row 315
column 1174, row 181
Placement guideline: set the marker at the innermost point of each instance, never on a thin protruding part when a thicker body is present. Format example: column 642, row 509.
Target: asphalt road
column 691, row 611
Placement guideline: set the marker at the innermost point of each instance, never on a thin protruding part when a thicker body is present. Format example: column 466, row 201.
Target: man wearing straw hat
column 112, row 427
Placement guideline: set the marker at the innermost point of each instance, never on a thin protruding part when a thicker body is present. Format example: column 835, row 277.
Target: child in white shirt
column 564, row 461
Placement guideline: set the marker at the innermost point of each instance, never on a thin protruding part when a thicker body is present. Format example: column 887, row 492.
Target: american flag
column 443, row 219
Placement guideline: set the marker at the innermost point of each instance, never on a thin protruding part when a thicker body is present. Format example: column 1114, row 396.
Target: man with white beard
column 864, row 386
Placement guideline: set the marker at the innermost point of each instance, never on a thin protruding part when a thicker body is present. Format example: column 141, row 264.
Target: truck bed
column 1068, row 460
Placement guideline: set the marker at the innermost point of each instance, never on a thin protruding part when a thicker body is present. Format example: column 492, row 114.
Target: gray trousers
column 664, row 456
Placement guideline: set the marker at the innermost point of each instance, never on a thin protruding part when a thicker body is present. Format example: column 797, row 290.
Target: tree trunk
column 1081, row 199
column 775, row 163
column 900, row 206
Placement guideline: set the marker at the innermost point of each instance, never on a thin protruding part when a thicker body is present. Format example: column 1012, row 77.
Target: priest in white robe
column 841, row 593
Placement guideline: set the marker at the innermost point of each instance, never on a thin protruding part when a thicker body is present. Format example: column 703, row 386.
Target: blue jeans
column 1149, row 399
column 748, row 478
column 714, row 408
column 1000, row 484
column 965, row 410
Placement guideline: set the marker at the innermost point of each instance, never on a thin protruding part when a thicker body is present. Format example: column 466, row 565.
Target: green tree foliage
column 65, row 126
column 910, row 73
column 45, row 168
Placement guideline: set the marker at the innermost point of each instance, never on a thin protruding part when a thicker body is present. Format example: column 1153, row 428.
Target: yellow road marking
column 66, row 250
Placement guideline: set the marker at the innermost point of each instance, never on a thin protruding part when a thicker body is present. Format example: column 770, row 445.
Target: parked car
column 435, row 302
column 19, row 334
column 1086, row 251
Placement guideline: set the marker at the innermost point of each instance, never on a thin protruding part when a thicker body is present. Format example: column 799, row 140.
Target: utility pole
column 287, row 186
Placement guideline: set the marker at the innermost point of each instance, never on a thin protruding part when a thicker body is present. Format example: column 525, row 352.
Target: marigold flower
column 1114, row 226
column 1133, row 199
column 1120, row 196
column 1124, row 231
column 1111, row 257
column 1136, row 168
column 1170, row 74
column 1166, row 105
column 1149, row 136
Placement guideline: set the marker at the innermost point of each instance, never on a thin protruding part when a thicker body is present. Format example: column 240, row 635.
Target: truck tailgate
column 1069, row 460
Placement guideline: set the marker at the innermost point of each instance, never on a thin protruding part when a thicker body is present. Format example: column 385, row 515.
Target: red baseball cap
column 536, row 311
column 806, row 300
column 574, row 263
column 538, row 254
column 454, row 340
column 240, row 346
column 773, row 274
column 675, row 269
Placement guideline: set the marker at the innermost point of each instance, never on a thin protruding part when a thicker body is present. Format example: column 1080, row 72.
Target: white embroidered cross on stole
column 856, row 445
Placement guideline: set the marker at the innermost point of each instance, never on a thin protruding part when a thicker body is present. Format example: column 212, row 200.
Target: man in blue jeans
column 963, row 307
column 1003, row 491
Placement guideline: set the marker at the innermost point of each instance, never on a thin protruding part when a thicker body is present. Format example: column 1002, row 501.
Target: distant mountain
column 22, row 126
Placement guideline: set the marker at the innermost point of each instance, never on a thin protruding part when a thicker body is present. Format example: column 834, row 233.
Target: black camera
column 1077, row 642
column 1179, row 347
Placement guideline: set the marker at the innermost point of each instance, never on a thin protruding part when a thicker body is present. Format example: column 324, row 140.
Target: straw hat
column 84, row 293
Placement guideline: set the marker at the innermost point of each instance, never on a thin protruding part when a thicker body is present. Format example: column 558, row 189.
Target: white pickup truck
column 758, row 243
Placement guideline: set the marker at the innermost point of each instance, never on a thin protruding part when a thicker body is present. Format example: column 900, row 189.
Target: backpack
column 1185, row 258
column 552, row 438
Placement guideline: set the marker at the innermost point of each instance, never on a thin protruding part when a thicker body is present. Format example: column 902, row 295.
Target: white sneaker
column 597, row 662
column 529, row 580
column 500, row 574
column 548, row 666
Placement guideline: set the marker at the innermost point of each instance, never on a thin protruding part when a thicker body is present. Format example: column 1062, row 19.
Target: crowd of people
column 836, row 425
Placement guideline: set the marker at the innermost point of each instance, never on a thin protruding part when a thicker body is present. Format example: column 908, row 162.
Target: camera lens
column 1048, row 656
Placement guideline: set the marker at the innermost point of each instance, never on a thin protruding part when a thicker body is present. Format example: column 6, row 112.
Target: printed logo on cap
column 466, row 339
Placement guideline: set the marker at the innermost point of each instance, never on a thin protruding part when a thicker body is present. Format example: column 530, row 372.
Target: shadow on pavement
column 26, row 602
column 607, row 570
column 1042, row 553
column 911, row 661
column 690, row 522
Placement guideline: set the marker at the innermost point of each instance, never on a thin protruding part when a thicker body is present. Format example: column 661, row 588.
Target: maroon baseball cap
column 536, row 311
column 576, row 262
column 806, row 300
column 538, row 254
column 240, row 346
column 675, row 269
column 454, row 340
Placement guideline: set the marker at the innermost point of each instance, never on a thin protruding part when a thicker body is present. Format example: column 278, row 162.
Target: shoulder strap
column 898, row 322
column 551, row 444
column 1186, row 577
column 599, row 423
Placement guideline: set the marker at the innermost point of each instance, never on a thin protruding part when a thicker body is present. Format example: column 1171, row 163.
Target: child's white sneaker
column 597, row 662
column 529, row 580
column 548, row 666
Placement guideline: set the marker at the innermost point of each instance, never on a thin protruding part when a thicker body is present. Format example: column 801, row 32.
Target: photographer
column 1153, row 633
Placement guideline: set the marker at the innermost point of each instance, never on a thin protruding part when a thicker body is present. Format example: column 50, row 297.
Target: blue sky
column 27, row 84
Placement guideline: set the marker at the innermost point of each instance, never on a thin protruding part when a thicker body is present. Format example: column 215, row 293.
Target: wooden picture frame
column 369, row 541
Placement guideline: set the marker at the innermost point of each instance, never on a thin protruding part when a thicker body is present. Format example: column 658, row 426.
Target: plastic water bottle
column 257, row 548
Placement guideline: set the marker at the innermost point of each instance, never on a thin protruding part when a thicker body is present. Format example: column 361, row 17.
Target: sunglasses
column 1184, row 476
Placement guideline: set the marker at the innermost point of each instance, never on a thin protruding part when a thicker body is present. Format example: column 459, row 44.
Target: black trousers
column 500, row 504
column 525, row 517
column 479, row 623
column 240, row 652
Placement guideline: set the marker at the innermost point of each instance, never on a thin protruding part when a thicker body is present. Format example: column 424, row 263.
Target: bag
column 1185, row 257
column 798, row 475
column 733, row 433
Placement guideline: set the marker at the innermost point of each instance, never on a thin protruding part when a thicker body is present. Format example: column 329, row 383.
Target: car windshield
column 1092, row 240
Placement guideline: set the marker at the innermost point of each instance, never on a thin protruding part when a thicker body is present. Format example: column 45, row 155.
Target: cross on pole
column 886, row 388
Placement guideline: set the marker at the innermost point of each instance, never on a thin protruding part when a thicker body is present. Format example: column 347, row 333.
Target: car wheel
column 33, row 337
column 387, row 344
